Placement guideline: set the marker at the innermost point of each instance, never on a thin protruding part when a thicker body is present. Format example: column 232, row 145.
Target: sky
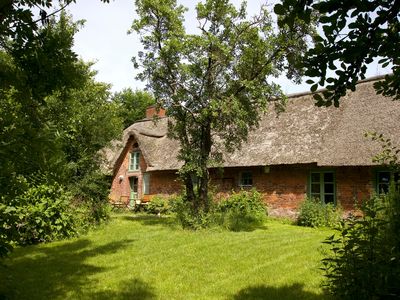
column 104, row 39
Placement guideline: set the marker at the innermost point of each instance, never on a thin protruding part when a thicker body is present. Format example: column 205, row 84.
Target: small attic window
column 135, row 146
column 134, row 161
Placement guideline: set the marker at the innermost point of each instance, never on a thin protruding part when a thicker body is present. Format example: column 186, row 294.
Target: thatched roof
column 302, row 134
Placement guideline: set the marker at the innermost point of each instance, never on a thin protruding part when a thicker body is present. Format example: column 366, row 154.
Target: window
column 383, row 181
column 322, row 186
column 146, row 184
column 134, row 161
column 246, row 179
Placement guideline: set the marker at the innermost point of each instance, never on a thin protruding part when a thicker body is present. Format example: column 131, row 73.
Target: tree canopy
column 355, row 32
column 132, row 104
column 54, row 119
column 216, row 83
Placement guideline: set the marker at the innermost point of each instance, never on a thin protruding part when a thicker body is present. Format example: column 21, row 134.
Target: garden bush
column 314, row 213
column 41, row 213
column 159, row 205
column 40, row 209
column 364, row 259
column 185, row 215
column 243, row 210
column 90, row 195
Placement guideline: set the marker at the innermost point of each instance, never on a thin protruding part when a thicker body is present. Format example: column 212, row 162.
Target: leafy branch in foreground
column 354, row 33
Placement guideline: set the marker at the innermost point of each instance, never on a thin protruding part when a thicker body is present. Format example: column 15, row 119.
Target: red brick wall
column 353, row 184
column 283, row 187
column 165, row 183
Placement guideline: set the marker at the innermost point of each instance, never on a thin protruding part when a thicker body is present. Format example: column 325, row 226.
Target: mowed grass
column 151, row 258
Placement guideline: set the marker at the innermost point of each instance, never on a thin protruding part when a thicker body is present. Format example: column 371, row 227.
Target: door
column 133, row 182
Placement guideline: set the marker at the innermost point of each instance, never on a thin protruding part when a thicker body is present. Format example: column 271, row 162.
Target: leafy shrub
column 41, row 210
column 158, row 205
column 42, row 213
column 241, row 211
column 90, row 214
column 7, row 232
column 185, row 215
column 364, row 260
column 313, row 213
column 90, row 195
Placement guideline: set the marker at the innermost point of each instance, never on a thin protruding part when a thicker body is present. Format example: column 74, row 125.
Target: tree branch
column 47, row 16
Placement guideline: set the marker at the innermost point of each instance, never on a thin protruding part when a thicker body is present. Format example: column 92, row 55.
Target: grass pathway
column 150, row 258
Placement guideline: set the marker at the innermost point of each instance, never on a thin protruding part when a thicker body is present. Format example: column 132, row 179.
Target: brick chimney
column 152, row 111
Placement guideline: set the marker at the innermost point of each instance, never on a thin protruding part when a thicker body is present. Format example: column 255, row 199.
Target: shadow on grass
column 295, row 291
column 54, row 271
column 171, row 222
column 150, row 220
column 129, row 289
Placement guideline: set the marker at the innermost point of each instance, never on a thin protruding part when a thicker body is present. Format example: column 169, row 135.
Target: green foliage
column 132, row 105
column 159, row 205
column 313, row 213
column 241, row 211
column 214, row 84
column 44, row 214
column 364, row 259
column 389, row 156
column 43, row 210
column 186, row 216
column 54, row 119
column 354, row 34
column 41, row 213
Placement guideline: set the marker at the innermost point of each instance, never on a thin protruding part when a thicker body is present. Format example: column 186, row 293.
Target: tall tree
column 132, row 105
column 28, row 76
column 53, row 116
column 215, row 84
column 354, row 33
column 54, row 119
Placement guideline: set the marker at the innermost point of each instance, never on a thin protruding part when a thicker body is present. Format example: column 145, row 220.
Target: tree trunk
column 190, row 195
column 205, row 153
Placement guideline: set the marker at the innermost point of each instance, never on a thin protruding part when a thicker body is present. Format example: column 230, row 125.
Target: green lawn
column 150, row 258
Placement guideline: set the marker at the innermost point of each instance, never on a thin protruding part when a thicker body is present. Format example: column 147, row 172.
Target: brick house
column 304, row 151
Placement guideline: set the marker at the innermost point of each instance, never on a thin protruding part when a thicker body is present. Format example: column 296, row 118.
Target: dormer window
column 134, row 161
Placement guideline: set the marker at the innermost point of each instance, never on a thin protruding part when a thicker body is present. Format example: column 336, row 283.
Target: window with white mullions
column 134, row 161
column 322, row 186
